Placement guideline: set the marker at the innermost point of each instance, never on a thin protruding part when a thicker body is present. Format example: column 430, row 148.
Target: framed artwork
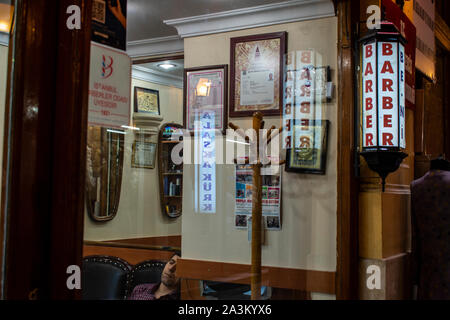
column 256, row 75
column 205, row 95
column 143, row 155
column 146, row 101
column 310, row 148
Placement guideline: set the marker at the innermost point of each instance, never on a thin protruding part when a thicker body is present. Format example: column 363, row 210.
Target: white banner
column 109, row 87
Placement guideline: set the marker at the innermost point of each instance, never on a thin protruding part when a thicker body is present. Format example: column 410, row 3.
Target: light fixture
column 166, row 65
column 4, row 27
column 115, row 131
column 383, row 99
column 203, row 87
column 131, row 128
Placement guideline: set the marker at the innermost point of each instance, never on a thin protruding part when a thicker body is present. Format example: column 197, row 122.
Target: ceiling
column 177, row 71
column 145, row 17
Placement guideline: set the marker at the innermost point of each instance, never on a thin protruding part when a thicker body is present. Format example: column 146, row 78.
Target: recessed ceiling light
column 166, row 65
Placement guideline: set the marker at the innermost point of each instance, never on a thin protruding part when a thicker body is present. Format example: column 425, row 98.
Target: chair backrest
column 148, row 271
column 104, row 278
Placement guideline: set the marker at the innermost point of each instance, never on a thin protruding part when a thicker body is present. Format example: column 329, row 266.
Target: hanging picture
column 309, row 153
column 146, row 101
column 109, row 23
column 257, row 74
column 205, row 94
column 271, row 197
column 144, row 154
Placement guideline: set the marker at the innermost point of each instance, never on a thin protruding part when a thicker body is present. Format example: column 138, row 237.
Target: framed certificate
column 143, row 155
column 257, row 74
column 309, row 154
column 146, row 101
column 205, row 95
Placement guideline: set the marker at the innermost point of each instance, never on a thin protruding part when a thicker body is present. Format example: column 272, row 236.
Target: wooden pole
column 256, row 216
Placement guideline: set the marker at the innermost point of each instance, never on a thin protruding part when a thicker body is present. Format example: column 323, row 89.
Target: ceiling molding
column 145, row 74
column 265, row 15
column 155, row 46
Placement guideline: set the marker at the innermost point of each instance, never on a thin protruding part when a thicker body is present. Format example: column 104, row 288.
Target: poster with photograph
column 271, row 198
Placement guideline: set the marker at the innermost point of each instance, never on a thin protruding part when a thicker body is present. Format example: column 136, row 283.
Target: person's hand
column 117, row 12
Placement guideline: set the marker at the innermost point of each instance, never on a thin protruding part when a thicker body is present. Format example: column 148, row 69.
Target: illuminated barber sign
column 383, row 99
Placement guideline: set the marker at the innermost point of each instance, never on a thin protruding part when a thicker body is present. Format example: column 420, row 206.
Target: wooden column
column 256, row 215
column 44, row 149
column 347, row 199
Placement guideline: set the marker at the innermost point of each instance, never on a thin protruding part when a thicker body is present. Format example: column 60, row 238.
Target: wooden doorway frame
column 347, row 203
column 44, row 150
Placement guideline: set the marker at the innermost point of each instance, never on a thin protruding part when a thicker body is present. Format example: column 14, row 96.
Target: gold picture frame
column 146, row 101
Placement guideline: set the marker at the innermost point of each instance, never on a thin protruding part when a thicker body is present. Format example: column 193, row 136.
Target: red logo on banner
column 107, row 69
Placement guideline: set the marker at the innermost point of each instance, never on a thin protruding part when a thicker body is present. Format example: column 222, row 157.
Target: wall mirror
column 104, row 167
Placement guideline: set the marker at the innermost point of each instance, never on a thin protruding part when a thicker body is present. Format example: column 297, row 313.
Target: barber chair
column 104, row 278
column 148, row 271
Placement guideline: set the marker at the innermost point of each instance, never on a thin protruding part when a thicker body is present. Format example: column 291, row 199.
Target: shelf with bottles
column 170, row 174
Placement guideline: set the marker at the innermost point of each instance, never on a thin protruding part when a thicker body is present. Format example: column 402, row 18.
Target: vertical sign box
column 383, row 95
column 388, row 94
column 401, row 94
column 109, row 87
column 370, row 138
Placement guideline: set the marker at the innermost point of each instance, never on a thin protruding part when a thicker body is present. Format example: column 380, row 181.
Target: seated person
column 167, row 289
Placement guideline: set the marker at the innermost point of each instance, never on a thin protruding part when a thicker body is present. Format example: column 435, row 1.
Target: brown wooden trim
column 46, row 140
column 130, row 246
column 347, row 197
column 132, row 256
column 168, row 241
column 158, row 59
column 297, row 279
column 190, row 290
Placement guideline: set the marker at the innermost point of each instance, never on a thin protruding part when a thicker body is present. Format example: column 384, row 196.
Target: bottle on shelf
column 177, row 188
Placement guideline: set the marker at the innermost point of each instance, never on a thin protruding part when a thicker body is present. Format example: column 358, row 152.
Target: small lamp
column 203, row 87
column 383, row 99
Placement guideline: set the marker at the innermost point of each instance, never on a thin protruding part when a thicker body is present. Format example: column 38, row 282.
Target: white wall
column 308, row 236
column 139, row 214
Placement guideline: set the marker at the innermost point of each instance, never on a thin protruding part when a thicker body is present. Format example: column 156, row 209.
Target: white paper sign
column 257, row 87
column 109, row 87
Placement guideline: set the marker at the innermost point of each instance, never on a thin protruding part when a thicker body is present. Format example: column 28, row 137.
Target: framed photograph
column 146, row 101
column 309, row 154
column 143, row 155
column 205, row 97
column 256, row 75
